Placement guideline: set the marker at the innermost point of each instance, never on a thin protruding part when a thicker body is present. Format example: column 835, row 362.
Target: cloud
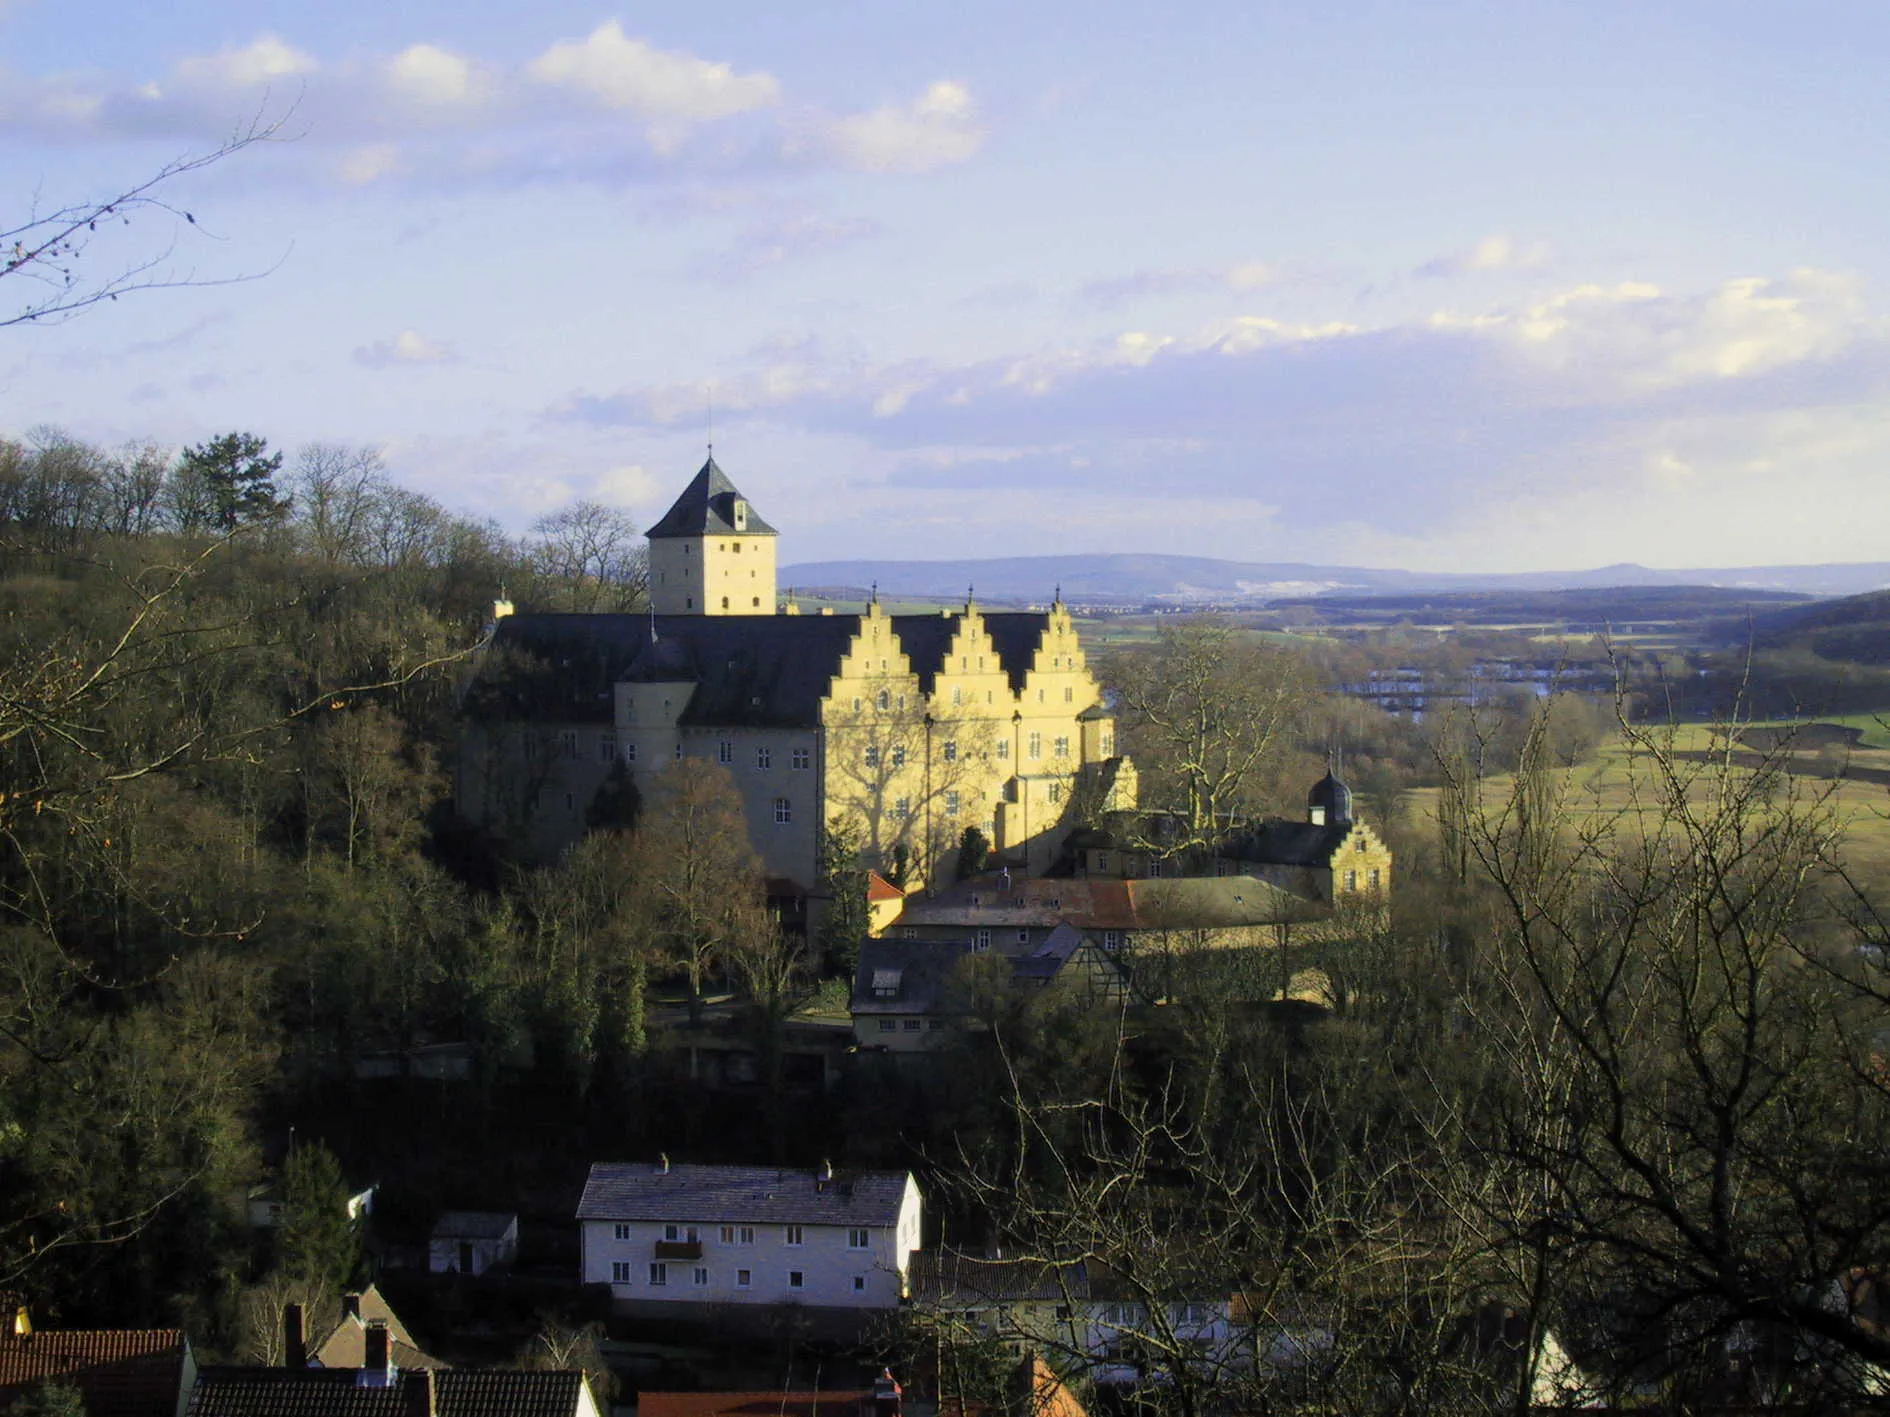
column 1139, row 285
column 262, row 61
column 1398, row 430
column 938, row 129
column 765, row 245
column 407, row 347
column 618, row 71
column 607, row 107
column 1496, row 252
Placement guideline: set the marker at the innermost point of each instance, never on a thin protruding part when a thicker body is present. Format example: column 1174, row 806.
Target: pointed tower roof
column 707, row 507
column 1333, row 795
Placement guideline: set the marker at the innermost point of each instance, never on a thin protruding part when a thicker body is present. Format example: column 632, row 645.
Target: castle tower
column 711, row 554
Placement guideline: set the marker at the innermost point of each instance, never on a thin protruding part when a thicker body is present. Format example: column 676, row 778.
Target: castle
column 903, row 729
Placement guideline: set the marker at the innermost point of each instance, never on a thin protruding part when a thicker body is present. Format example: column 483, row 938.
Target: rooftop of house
column 878, row 888
column 659, row 1191
column 707, row 507
column 742, row 670
column 1101, row 903
column 340, row 1392
column 346, row 1344
column 475, row 1225
column 950, row 1278
column 123, row 1372
column 906, row 976
column 851, row 1402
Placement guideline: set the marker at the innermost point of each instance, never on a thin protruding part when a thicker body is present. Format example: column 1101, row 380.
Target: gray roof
column 336, row 1392
column 748, row 1194
column 759, row 671
column 707, row 507
column 918, row 972
column 1278, row 842
column 474, row 1224
column 948, row 1277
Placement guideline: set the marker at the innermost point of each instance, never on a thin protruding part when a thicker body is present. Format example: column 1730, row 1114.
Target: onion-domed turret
column 1330, row 802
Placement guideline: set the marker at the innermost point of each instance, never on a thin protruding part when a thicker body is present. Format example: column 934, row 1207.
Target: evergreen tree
column 228, row 482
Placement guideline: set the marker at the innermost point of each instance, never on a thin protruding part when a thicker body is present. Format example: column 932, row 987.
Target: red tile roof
column 120, row 1372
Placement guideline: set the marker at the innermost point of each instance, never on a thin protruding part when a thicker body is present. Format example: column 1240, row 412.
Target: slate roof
column 474, row 1224
column 1278, row 842
column 763, row 671
column 948, row 1277
column 707, row 507
column 749, row 1194
column 131, row 1372
column 850, row 1403
column 337, row 1392
column 918, row 971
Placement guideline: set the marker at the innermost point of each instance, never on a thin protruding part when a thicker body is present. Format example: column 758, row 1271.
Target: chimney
column 294, row 1337
column 351, row 1307
column 375, row 1369
column 417, row 1395
column 886, row 1394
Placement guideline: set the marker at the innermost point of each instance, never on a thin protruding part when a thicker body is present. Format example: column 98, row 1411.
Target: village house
column 903, row 730
column 120, row 1372
column 676, row 1239
column 473, row 1242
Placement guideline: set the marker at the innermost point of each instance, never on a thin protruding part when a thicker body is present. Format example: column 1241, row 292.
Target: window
column 887, row 1025
column 678, row 753
column 630, row 752
column 856, row 705
column 951, row 804
column 1351, row 880
column 1191, row 1313
column 1069, row 696
column 1359, row 845
column 680, row 1232
column 738, row 1234
column 794, row 1234
column 742, row 1279
column 883, row 702
column 783, row 811
column 764, row 757
column 1035, row 750
column 800, row 760
column 1023, row 937
column 1060, row 748
column 570, row 803
column 606, row 747
column 872, row 757
column 701, row 1276
column 1003, row 749
column 899, row 755
column 935, row 1025
column 950, row 753
column 984, row 939
column 659, row 1275
column 958, row 697
column 1102, row 860
column 623, row 1232
column 857, row 1239
column 913, row 1025
column 859, row 1284
column 725, row 602
column 1108, row 744
column 1056, row 792
column 1112, row 939
column 725, row 752
column 902, row 808
column 795, row 1279
column 567, row 744
column 1373, row 878
column 620, row 1271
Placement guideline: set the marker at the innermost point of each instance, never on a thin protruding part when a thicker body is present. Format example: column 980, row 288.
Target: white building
column 699, row 1235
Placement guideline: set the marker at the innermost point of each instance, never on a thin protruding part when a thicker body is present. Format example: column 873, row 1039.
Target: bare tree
column 589, row 557
column 50, row 252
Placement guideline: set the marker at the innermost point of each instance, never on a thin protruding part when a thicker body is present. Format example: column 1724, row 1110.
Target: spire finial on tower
column 876, row 592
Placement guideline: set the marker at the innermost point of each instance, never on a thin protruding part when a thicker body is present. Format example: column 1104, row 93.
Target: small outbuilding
column 473, row 1241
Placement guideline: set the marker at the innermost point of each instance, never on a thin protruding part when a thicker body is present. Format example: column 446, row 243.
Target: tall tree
column 228, row 482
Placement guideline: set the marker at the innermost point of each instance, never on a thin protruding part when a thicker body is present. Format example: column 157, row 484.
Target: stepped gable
column 707, row 508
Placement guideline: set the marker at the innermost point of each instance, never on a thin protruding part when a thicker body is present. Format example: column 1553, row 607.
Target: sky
column 1462, row 285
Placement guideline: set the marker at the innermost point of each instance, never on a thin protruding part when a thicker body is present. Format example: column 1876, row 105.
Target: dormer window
column 740, row 517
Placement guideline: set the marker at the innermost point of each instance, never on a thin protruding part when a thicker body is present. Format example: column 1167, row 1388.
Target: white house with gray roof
column 664, row 1235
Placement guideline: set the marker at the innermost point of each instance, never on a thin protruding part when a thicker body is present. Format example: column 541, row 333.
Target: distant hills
column 1183, row 580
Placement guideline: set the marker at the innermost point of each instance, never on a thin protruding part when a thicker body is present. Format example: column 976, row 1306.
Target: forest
column 1615, row 1077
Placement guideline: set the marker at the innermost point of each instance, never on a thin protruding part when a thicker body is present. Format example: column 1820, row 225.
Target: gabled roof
column 961, row 1280
column 848, row 1403
column 750, row 1194
column 339, row 1392
column 905, row 976
column 707, row 507
column 119, row 1372
column 879, row 888
column 1278, row 842
column 763, row 671
column 346, row 1343
column 475, row 1225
